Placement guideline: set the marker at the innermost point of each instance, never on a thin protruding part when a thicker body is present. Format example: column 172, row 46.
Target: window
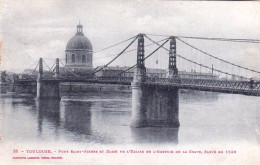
column 83, row 59
column 73, row 58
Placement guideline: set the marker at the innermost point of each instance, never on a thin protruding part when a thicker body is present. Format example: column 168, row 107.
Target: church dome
column 79, row 41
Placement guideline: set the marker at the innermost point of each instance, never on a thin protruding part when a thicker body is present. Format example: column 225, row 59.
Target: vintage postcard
column 129, row 82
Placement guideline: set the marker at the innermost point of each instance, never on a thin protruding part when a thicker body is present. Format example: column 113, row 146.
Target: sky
column 33, row 29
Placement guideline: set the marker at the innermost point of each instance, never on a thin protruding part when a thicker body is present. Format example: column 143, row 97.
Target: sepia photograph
column 129, row 82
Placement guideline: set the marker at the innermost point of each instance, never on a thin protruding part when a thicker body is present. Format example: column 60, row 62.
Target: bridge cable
column 70, row 70
column 127, row 52
column 47, row 66
column 111, row 56
column 53, row 66
column 100, row 50
column 209, row 67
column 116, row 56
column 34, row 68
column 144, row 58
column 223, row 39
column 216, row 57
column 33, row 64
column 216, row 39
column 196, row 62
column 130, row 50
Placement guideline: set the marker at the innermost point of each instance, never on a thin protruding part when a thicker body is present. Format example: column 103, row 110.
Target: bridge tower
column 140, row 71
column 40, row 69
column 47, row 88
column 153, row 105
column 172, row 67
column 138, row 95
column 57, row 68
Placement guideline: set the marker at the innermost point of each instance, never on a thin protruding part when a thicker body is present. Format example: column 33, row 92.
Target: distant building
column 30, row 71
column 198, row 75
column 8, row 77
column 112, row 71
column 116, row 71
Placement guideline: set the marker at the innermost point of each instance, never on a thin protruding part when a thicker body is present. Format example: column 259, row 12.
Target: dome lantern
column 79, row 30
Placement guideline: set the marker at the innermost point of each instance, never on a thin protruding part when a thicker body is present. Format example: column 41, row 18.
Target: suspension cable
column 116, row 56
column 208, row 67
column 145, row 57
column 100, row 50
column 34, row 63
column 223, row 39
column 70, row 70
column 194, row 61
column 125, row 70
column 53, row 66
column 47, row 65
column 215, row 56
column 34, row 69
column 156, row 49
column 216, row 39
column 131, row 49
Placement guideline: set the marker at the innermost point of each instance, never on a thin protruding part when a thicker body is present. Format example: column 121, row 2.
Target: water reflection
column 49, row 110
column 187, row 95
column 104, row 121
column 78, row 117
column 155, row 135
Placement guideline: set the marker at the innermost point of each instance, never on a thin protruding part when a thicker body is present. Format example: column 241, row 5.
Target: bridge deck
column 223, row 86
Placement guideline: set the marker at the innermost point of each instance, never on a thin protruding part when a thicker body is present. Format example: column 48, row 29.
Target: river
column 104, row 118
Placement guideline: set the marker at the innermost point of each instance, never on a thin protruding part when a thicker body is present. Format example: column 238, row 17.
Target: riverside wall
column 66, row 88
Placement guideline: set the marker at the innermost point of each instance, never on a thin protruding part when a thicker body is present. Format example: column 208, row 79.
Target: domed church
column 79, row 53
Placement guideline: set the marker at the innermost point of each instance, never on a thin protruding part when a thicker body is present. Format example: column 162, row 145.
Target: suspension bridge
column 229, row 83
column 155, row 100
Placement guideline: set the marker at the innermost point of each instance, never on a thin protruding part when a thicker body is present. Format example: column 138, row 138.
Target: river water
column 104, row 118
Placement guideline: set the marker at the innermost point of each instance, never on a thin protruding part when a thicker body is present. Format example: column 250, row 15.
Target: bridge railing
column 230, row 85
column 233, row 85
column 156, row 80
column 97, row 79
column 128, row 79
column 203, row 84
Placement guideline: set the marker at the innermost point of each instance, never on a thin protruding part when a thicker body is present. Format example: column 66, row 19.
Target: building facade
column 112, row 71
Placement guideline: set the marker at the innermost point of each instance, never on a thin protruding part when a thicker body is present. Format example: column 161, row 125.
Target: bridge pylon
column 40, row 74
column 138, row 95
column 57, row 68
column 172, row 67
column 140, row 70
column 46, row 88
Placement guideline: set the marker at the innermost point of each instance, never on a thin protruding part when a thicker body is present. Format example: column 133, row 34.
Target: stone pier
column 48, row 89
column 154, row 106
column 139, row 108
column 162, row 107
